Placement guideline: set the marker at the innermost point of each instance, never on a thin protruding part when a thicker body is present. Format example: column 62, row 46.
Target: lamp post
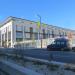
column 39, row 30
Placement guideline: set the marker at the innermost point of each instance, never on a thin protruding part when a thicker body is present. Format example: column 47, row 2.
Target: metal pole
column 39, row 30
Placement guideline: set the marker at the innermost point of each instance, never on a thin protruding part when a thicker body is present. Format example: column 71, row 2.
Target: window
column 36, row 35
column 65, row 34
column 48, row 33
column 19, row 39
column 43, row 33
column 58, row 42
column 31, row 32
column 9, row 28
column 19, row 34
column 27, row 35
column 52, row 33
column 24, row 28
column 62, row 43
column 19, row 28
column 59, row 33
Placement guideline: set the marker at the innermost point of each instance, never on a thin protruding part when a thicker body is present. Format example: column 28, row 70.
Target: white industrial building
column 16, row 31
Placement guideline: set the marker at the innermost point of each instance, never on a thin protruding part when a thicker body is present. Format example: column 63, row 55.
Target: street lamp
column 39, row 30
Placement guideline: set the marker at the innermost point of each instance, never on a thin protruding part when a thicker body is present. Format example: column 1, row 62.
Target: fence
column 33, row 44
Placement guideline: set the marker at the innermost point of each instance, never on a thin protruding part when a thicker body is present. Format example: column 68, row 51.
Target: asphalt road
column 67, row 57
column 60, row 56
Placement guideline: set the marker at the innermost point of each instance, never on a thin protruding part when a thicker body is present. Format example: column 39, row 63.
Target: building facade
column 14, row 30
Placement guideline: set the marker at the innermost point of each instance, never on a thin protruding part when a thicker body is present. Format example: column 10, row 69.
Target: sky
column 54, row 12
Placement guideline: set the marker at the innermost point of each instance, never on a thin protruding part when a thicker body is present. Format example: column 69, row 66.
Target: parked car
column 60, row 44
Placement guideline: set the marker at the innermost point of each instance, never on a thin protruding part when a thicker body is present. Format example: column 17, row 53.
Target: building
column 14, row 30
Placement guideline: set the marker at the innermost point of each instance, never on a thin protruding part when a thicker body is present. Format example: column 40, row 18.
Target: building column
column 7, row 37
column 1, row 39
column 23, row 33
column 12, row 35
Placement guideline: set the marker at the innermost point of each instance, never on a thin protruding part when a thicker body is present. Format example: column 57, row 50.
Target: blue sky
column 55, row 12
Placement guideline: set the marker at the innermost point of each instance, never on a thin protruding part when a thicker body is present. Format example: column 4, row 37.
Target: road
column 67, row 57
column 60, row 56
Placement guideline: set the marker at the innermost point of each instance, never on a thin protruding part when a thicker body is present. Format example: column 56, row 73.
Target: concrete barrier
column 14, row 69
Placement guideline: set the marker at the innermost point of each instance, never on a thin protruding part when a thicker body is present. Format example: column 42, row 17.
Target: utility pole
column 39, row 30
